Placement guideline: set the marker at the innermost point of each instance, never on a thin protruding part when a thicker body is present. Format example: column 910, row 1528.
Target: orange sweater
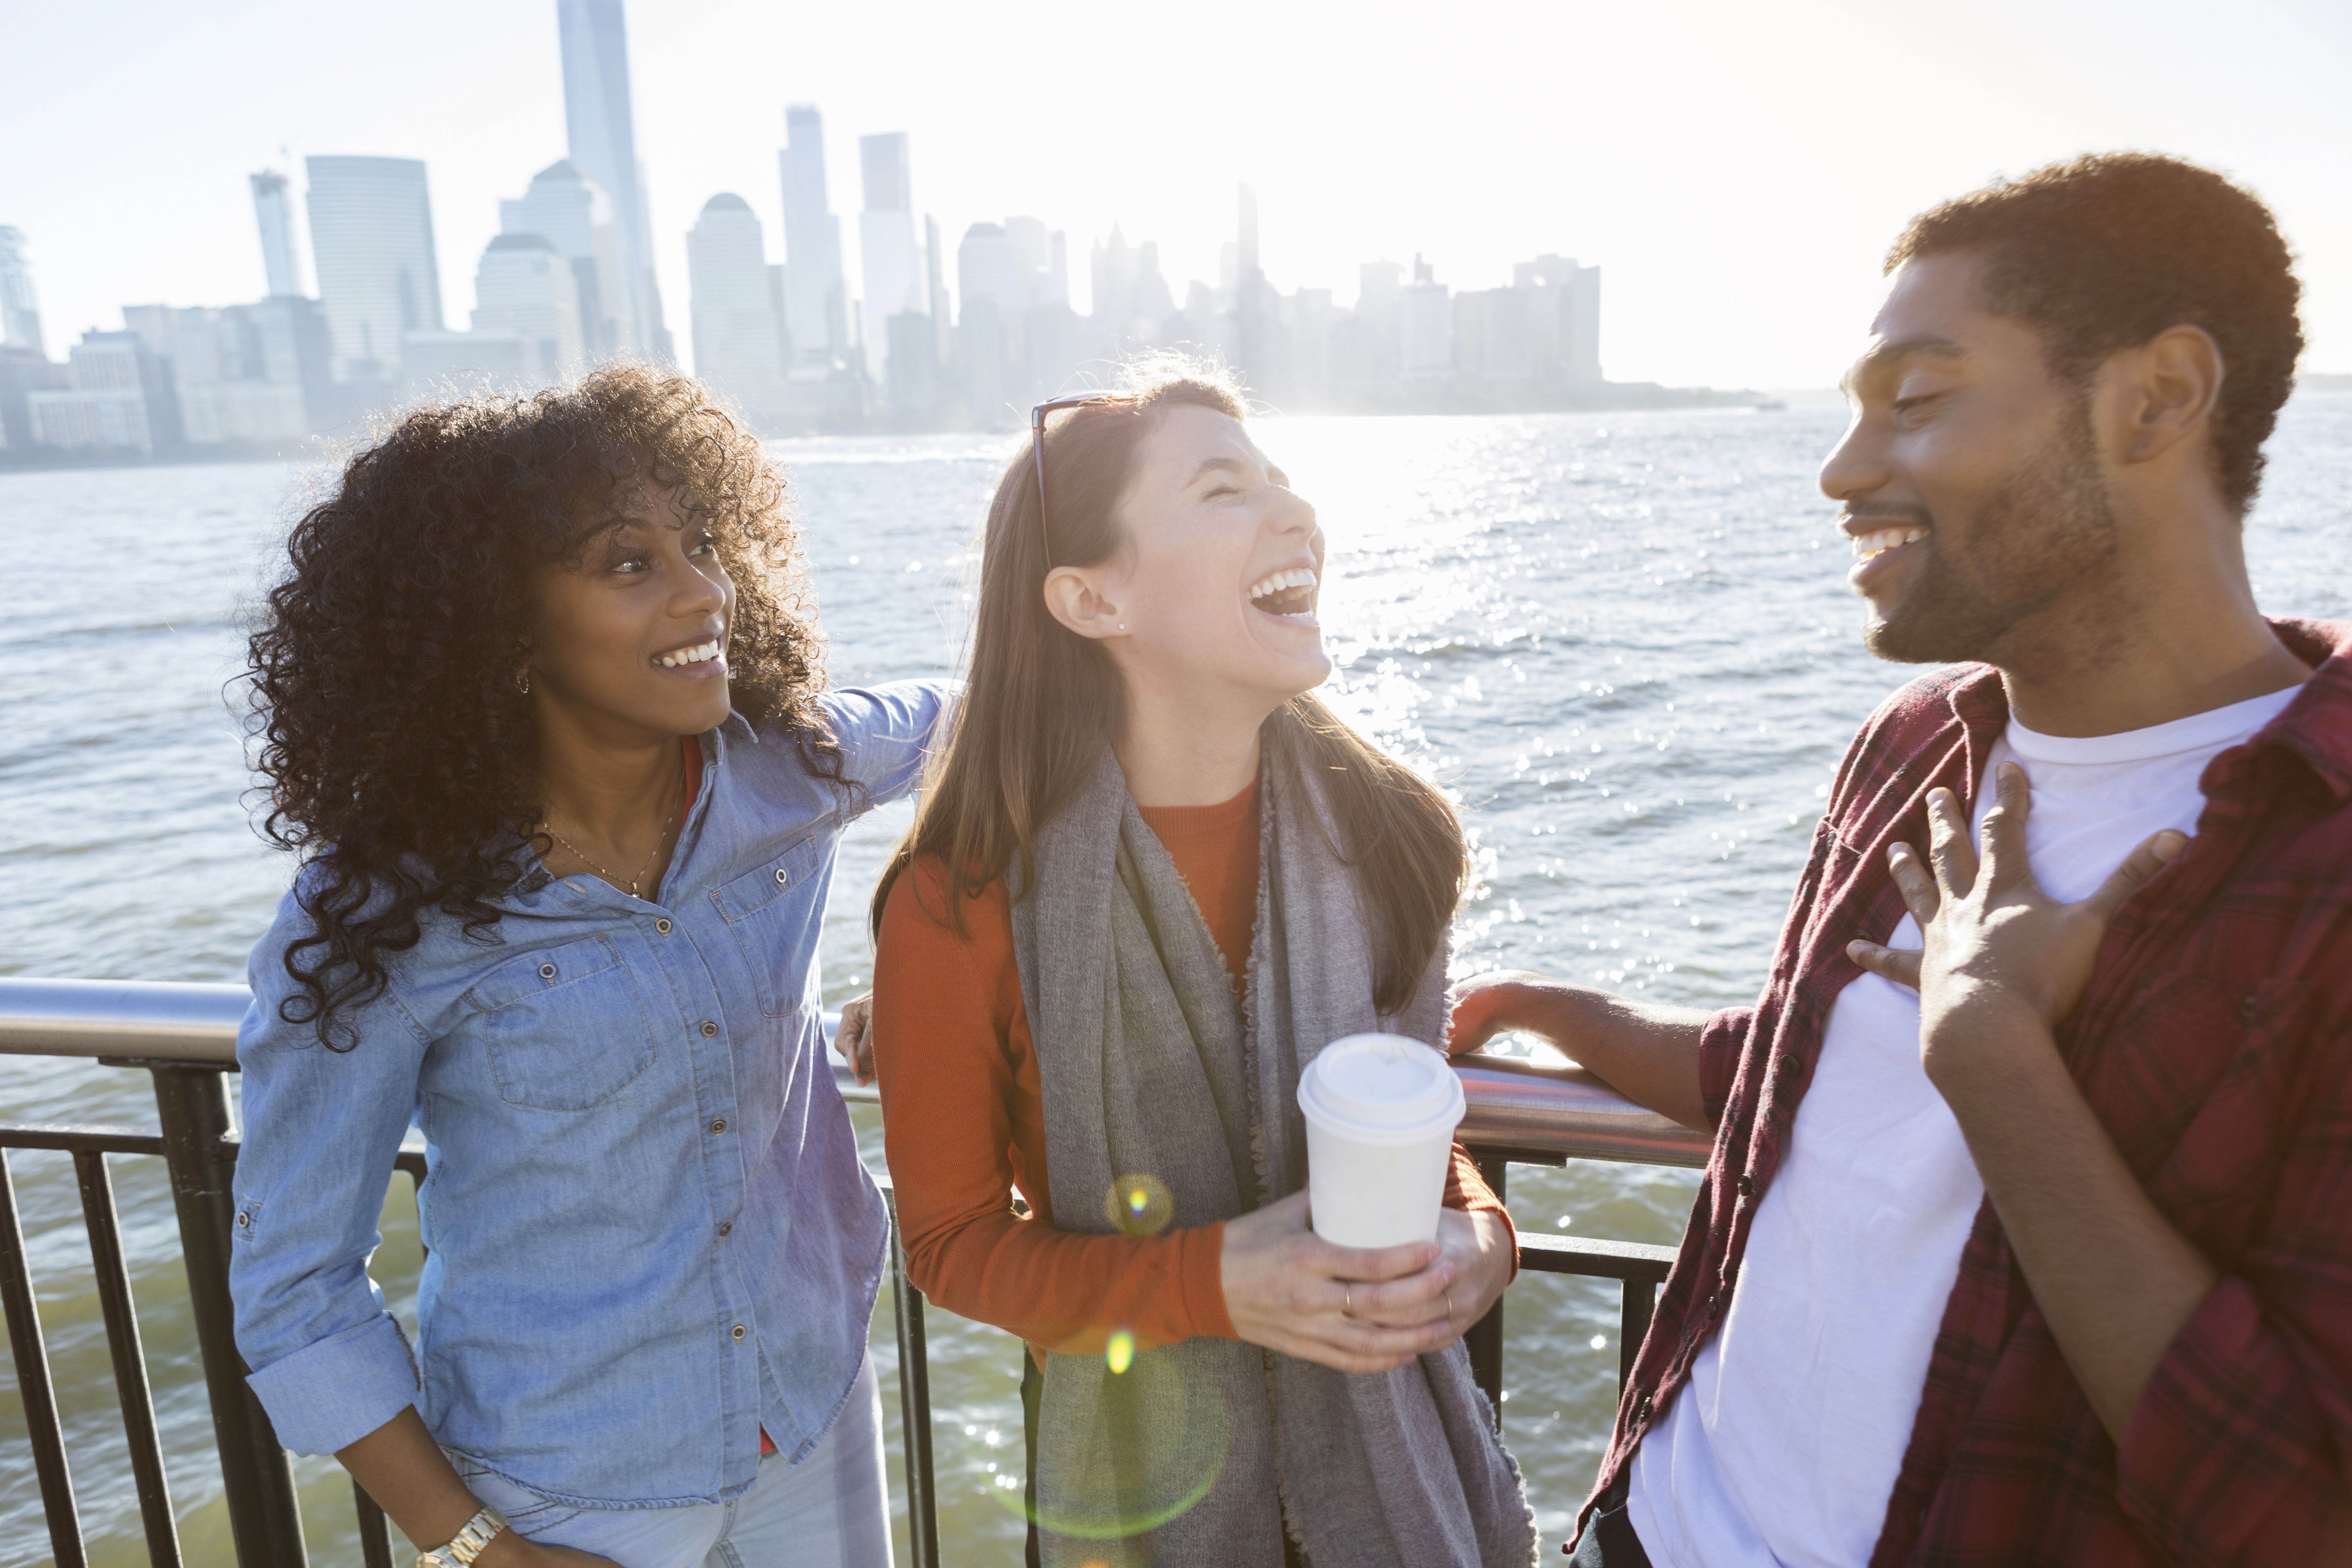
column 964, row 1125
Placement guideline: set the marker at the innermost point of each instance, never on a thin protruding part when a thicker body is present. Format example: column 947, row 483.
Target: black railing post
column 1484, row 1339
column 193, row 1103
column 32, row 1356
column 914, row 1402
column 122, row 1343
column 1633, row 1314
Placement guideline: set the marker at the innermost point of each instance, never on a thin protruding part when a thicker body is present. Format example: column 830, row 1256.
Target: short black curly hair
column 2102, row 252
column 382, row 695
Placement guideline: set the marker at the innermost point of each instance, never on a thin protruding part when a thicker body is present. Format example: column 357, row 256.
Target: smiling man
column 2027, row 1237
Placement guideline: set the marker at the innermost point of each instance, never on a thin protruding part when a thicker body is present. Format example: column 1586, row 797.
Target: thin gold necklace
column 659, row 839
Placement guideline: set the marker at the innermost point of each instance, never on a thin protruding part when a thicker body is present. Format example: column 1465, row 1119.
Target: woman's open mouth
column 1288, row 596
column 702, row 658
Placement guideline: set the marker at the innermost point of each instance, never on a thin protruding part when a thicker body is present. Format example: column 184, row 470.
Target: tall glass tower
column 602, row 125
column 817, row 305
column 371, row 241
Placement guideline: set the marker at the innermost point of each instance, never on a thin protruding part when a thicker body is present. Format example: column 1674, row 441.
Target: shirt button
column 782, row 875
column 718, row 1126
column 1747, row 1186
column 546, row 972
column 1790, row 1067
column 726, row 1226
column 662, row 926
column 243, row 1220
column 738, row 1332
column 709, row 1028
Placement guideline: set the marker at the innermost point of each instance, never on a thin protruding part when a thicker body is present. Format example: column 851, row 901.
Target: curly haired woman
column 541, row 699
column 1154, row 877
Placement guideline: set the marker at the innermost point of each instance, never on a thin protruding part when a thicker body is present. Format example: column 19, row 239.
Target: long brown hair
column 1042, row 703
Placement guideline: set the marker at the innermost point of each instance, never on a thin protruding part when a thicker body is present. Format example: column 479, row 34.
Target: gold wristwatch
column 461, row 1552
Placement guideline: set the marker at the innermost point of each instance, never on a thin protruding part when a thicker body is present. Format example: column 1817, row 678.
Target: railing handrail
column 1552, row 1112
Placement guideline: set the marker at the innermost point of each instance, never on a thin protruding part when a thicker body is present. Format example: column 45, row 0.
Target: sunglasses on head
column 1037, row 450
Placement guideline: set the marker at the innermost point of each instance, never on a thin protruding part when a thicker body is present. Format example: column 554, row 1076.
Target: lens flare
column 1140, row 1204
column 1161, row 1441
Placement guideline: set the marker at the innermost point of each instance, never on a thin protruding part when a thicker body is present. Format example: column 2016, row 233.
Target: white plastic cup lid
column 1382, row 1088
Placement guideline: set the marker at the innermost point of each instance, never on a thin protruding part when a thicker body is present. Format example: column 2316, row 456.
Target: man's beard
column 2046, row 534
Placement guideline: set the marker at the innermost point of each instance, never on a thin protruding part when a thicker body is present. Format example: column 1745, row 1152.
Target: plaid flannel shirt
column 2214, row 1043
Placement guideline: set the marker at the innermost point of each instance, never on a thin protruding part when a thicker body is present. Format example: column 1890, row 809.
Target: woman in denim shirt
column 541, row 697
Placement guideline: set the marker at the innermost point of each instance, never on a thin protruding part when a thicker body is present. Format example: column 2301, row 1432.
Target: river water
column 1623, row 639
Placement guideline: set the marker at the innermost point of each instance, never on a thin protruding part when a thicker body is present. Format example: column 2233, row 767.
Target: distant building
column 1564, row 317
column 816, row 300
column 524, row 285
column 273, row 209
column 602, row 128
column 371, row 241
column 23, row 372
column 573, row 214
column 1424, row 324
column 117, row 399
column 739, row 345
column 891, row 261
column 20, row 310
column 240, row 375
column 433, row 363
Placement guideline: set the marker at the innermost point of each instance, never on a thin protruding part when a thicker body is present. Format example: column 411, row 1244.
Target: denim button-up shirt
column 650, row 1234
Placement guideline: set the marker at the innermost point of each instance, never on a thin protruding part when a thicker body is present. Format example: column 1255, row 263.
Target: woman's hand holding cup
column 1357, row 1310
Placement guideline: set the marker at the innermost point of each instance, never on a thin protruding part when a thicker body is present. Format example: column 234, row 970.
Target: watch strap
column 468, row 1543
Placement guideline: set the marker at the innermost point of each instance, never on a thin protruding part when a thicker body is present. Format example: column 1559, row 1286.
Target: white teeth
column 1296, row 577
column 1886, row 539
column 694, row 654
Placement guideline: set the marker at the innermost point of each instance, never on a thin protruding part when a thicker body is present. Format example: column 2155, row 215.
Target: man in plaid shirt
column 2027, row 1235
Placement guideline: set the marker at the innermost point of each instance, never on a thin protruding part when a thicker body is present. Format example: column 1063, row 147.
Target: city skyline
column 1730, row 180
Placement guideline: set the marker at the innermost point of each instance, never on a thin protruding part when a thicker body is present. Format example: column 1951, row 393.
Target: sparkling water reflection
column 1625, row 640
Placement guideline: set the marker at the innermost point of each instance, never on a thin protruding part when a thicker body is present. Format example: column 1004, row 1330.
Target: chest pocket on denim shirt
column 771, row 927
column 565, row 1025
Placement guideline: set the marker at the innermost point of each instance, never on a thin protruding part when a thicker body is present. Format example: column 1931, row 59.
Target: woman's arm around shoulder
column 888, row 733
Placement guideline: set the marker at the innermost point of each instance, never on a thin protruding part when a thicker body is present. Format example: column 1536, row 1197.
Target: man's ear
column 2169, row 385
column 1075, row 598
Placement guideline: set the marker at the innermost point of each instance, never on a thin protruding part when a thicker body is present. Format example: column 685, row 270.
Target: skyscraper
column 525, row 286
column 885, row 235
column 601, row 126
column 371, row 241
column 273, row 207
column 571, row 212
column 738, row 342
column 20, row 310
column 816, row 302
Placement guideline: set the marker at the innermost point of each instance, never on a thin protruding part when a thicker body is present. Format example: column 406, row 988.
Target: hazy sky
column 1737, row 168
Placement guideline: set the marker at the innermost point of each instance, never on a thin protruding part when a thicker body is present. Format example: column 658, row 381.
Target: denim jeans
column 830, row 1511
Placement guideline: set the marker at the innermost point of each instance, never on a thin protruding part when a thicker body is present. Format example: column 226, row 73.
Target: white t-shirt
column 1784, row 1445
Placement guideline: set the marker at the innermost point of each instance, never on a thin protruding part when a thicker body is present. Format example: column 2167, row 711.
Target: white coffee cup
column 1381, row 1112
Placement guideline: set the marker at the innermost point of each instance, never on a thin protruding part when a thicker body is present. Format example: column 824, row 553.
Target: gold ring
column 1347, row 1301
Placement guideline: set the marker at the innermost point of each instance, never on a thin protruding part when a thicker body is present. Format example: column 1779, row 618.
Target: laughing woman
column 1152, row 878
column 541, row 700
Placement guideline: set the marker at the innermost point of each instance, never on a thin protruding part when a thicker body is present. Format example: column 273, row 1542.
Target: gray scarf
column 1201, row 1453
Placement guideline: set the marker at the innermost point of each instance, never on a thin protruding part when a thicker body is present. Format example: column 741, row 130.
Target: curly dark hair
column 2102, row 252
column 396, row 742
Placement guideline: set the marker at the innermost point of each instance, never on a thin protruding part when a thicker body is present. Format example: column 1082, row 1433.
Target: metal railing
column 184, row 1036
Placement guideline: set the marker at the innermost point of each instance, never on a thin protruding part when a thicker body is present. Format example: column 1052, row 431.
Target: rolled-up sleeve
column 1720, row 1041
column 321, row 1129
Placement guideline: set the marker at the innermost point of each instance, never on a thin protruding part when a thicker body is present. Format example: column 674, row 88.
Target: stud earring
column 1122, row 626
column 522, row 682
